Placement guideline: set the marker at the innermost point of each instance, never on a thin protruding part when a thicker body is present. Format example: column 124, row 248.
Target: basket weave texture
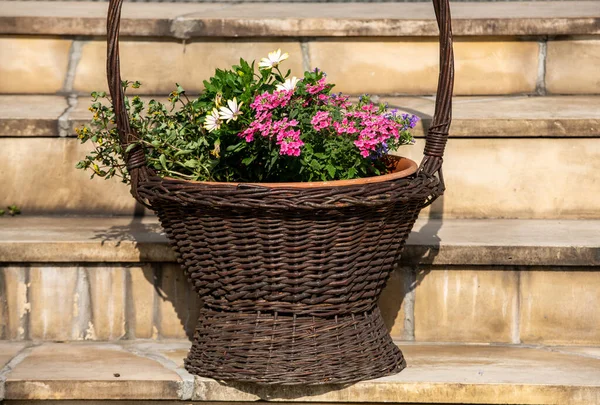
column 290, row 276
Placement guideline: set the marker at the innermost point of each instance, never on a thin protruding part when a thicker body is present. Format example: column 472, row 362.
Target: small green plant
column 250, row 126
column 12, row 211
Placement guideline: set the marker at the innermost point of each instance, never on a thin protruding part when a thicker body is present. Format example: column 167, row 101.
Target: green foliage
column 12, row 211
column 179, row 141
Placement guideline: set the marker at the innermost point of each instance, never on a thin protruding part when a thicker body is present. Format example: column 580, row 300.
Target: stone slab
column 479, row 116
column 160, row 65
column 448, row 374
column 173, row 351
column 8, row 350
column 409, row 66
column 33, row 64
column 22, row 115
column 436, row 373
column 467, row 305
column 66, row 371
column 282, row 19
column 39, row 174
column 542, row 178
column 433, row 241
column 15, row 308
column 507, row 117
column 560, row 307
column 565, row 77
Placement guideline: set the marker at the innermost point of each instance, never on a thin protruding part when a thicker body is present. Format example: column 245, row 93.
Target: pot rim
column 404, row 168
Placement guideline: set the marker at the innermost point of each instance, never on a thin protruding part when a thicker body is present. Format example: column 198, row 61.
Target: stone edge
column 189, row 25
column 64, row 124
column 208, row 390
column 414, row 255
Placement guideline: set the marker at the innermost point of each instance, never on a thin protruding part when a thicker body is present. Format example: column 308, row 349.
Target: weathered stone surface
column 8, row 350
column 107, row 300
column 160, row 65
column 117, row 239
column 203, row 57
column 33, row 65
column 173, row 351
column 14, row 303
column 281, row 19
column 448, row 374
column 503, row 242
column 436, row 374
column 39, row 175
column 393, row 304
column 177, row 304
column 57, row 295
column 30, row 115
column 89, row 371
column 505, row 117
column 3, row 308
column 466, row 305
column 491, row 178
column 515, row 116
column 572, row 66
column 433, row 241
column 560, row 307
column 140, row 301
column 486, row 178
column 582, row 351
column 411, row 66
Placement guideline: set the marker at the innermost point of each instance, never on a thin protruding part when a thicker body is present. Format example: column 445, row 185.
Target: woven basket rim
column 404, row 167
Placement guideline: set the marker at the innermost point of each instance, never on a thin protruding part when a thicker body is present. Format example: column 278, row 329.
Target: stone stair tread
column 433, row 241
column 436, row 373
column 485, row 116
column 284, row 19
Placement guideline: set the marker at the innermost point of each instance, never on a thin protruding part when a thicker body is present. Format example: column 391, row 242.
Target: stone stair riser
column 466, row 304
column 374, row 65
column 485, row 178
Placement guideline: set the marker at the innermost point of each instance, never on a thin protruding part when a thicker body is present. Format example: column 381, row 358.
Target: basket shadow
column 278, row 392
column 415, row 264
column 172, row 292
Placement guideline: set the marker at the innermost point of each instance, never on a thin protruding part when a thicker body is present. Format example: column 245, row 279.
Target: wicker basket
column 290, row 274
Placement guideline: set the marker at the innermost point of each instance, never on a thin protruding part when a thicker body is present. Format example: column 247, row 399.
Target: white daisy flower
column 212, row 122
column 232, row 111
column 289, row 84
column 273, row 60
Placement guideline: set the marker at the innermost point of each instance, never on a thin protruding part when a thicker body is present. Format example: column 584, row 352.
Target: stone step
column 508, row 157
column 436, row 373
column 467, row 281
column 502, row 48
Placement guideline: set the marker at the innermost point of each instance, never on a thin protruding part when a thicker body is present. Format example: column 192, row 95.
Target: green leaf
column 315, row 165
column 330, row 169
column 248, row 160
column 163, row 161
column 236, row 147
column 191, row 163
column 183, row 152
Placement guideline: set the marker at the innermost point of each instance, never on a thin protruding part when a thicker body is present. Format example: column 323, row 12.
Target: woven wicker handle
column 437, row 135
column 436, row 138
